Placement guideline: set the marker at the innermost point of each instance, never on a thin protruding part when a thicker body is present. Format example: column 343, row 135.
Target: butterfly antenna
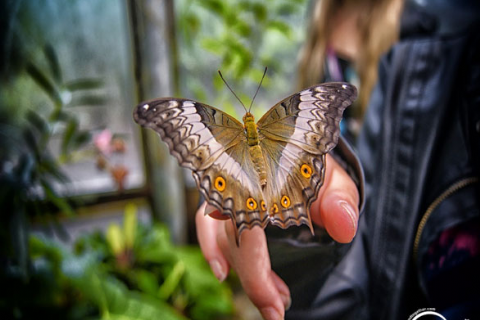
column 232, row 91
column 259, row 85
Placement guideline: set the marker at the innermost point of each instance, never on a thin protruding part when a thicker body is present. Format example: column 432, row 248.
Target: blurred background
column 97, row 219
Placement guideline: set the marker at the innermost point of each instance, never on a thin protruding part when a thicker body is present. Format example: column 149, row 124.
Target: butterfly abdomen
column 255, row 150
column 257, row 158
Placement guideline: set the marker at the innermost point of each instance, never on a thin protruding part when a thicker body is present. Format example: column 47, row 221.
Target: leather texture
column 421, row 135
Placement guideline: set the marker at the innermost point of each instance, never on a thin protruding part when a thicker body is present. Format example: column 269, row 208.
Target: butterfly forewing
column 195, row 133
column 310, row 118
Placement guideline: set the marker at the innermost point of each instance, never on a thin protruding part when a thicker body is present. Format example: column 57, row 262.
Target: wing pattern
column 294, row 137
column 196, row 134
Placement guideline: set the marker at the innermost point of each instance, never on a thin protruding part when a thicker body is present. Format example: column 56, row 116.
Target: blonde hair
column 377, row 22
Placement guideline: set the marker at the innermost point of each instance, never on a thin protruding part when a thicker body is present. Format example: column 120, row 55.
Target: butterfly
column 255, row 173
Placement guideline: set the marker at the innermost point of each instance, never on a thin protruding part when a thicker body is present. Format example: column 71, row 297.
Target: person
column 418, row 241
column 345, row 41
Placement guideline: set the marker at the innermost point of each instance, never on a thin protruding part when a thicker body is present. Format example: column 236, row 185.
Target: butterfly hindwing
column 298, row 176
column 231, row 185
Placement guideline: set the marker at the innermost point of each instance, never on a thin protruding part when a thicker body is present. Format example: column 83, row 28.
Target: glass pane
column 82, row 48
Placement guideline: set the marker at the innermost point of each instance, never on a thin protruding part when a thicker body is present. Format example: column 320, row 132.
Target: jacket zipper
column 447, row 193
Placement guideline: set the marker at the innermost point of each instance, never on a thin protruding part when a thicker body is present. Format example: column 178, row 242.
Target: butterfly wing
column 195, row 133
column 296, row 178
column 295, row 136
column 231, row 184
column 213, row 145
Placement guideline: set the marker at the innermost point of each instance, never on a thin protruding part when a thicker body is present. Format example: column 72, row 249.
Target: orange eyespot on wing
column 251, row 204
column 263, row 206
column 274, row 209
column 220, row 184
column 285, row 202
column 306, row 170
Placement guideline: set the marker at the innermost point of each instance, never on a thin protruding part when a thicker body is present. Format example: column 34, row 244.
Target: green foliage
column 177, row 275
column 148, row 278
column 239, row 37
column 29, row 171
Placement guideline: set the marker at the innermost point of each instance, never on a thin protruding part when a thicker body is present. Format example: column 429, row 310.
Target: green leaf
column 281, row 27
column 227, row 60
column 115, row 239
column 231, row 17
column 81, row 139
column 288, row 8
column 193, row 22
column 58, row 201
column 213, row 45
column 85, row 84
column 53, row 62
column 210, row 298
column 147, row 281
column 68, row 134
column 38, row 122
column 260, row 11
column 89, row 100
column 242, row 28
column 199, row 277
column 43, row 247
column 214, row 6
column 116, row 302
column 50, row 167
column 211, row 306
column 130, row 225
column 241, row 56
column 44, row 83
column 172, row 281
column 60, row 116
column 241, row 64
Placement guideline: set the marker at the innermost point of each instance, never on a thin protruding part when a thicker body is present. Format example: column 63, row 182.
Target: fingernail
column 209, row 209
column 270, row 313
column 287, row 301
column 218, row 270
column 351, row 213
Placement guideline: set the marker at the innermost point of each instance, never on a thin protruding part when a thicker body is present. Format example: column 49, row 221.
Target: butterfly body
column 256, row 173
column 255, row 150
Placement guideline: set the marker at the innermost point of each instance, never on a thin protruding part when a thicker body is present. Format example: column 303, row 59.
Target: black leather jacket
column 420, row 150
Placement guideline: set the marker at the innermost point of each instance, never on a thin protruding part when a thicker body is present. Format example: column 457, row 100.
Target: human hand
column 336, row 209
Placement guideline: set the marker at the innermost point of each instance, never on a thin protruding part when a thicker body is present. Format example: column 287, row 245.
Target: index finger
column 207, row 229
column 251, row 262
